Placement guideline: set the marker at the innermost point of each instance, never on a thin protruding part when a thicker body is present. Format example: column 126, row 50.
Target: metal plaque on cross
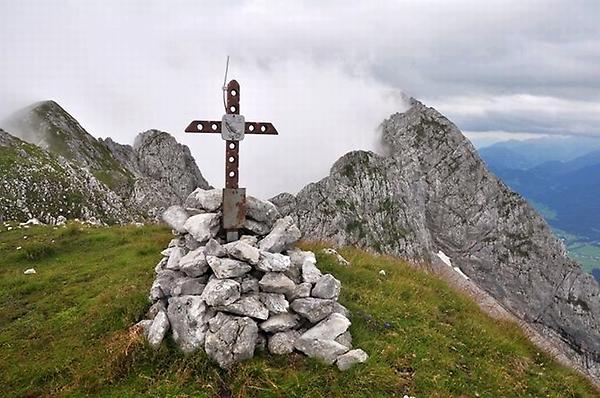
column 232, row 127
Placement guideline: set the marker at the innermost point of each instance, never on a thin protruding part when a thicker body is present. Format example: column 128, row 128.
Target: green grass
column 586, row 255
column 65, row 331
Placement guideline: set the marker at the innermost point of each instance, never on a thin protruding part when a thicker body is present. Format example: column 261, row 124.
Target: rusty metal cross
column 232, row 128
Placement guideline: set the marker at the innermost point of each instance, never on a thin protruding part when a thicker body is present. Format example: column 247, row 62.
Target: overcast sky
column 326, row 73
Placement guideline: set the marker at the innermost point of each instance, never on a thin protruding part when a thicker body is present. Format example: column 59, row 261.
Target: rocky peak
column 149, row 176
column 166, row 173
column 49, row 126
column 431, row 192
column 161, row 157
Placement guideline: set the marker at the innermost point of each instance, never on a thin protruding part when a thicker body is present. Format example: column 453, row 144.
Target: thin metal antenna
column 225, row 84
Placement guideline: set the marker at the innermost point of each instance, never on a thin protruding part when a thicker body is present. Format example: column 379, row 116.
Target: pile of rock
column 254, row 293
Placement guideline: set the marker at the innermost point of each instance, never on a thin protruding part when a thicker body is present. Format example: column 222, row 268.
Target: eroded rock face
column 233, row 299
column 230, row 339
column 188, row 316
column 430, row 191
column 166, row 172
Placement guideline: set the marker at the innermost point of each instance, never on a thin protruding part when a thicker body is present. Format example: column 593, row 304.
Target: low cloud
column 326, row 74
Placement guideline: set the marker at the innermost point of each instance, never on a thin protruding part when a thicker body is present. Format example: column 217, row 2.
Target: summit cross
column 232, row 127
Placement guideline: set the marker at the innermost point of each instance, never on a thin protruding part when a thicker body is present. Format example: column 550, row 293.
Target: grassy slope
column 64, row 331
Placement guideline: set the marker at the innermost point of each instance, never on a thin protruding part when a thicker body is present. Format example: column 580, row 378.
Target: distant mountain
column 526, row 154
column 142, row 179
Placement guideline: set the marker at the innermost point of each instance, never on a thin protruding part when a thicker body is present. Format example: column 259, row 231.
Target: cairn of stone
column 256, row 293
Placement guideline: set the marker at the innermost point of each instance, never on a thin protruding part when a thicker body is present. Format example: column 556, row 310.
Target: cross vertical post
column 232, row 127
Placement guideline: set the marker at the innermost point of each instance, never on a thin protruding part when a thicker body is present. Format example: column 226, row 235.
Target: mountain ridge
column 433, row 192
column 146, row 178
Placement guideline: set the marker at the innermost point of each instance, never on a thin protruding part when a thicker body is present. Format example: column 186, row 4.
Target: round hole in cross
column 214, row 126
column 231, row 159
column 251, row 127
column 200, row 126
column 263, row 128
column 232, row 146
column 232, row 108
column 232, row 174
column 233, row 93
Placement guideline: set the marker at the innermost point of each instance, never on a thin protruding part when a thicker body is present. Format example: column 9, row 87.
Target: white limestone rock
column 250, row 240
column 275, row 303
column 345, row 339
column 207, row 199
column 327, row 287
column 313, row 309
column 283, row 342
column 194, row 263
column 188, row 316
column 203, row 226
column 155, row 309
column 273, row 262
column 340, row 259
column 174, row 258
column 191, row 243
column 261, row 210
column 243, row 252
column 230, row 339
column 248, row 305
column 189, row 286
column 276, row 282
column 298, row 256
column 158, row 329
column 347, row 360
column 214, row 248
column 283, row 236
column 325, row 350
column 329, row 328
column 340, row 309
column 144, row 326
column 161, row 264
column 249, row 284
column 310, row 272
column 221, row 292
column 302, row 290
column 176, row 216
column 280, row 323
column 163, row 285
column 227, row 267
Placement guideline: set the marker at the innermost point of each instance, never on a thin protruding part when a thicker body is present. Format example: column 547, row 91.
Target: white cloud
column 326, row 73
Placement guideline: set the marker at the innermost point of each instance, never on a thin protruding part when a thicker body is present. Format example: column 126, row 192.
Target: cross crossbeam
column 232, row 128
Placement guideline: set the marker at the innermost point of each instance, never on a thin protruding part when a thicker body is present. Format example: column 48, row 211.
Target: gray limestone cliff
column 164, row 171
column 431, row 192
